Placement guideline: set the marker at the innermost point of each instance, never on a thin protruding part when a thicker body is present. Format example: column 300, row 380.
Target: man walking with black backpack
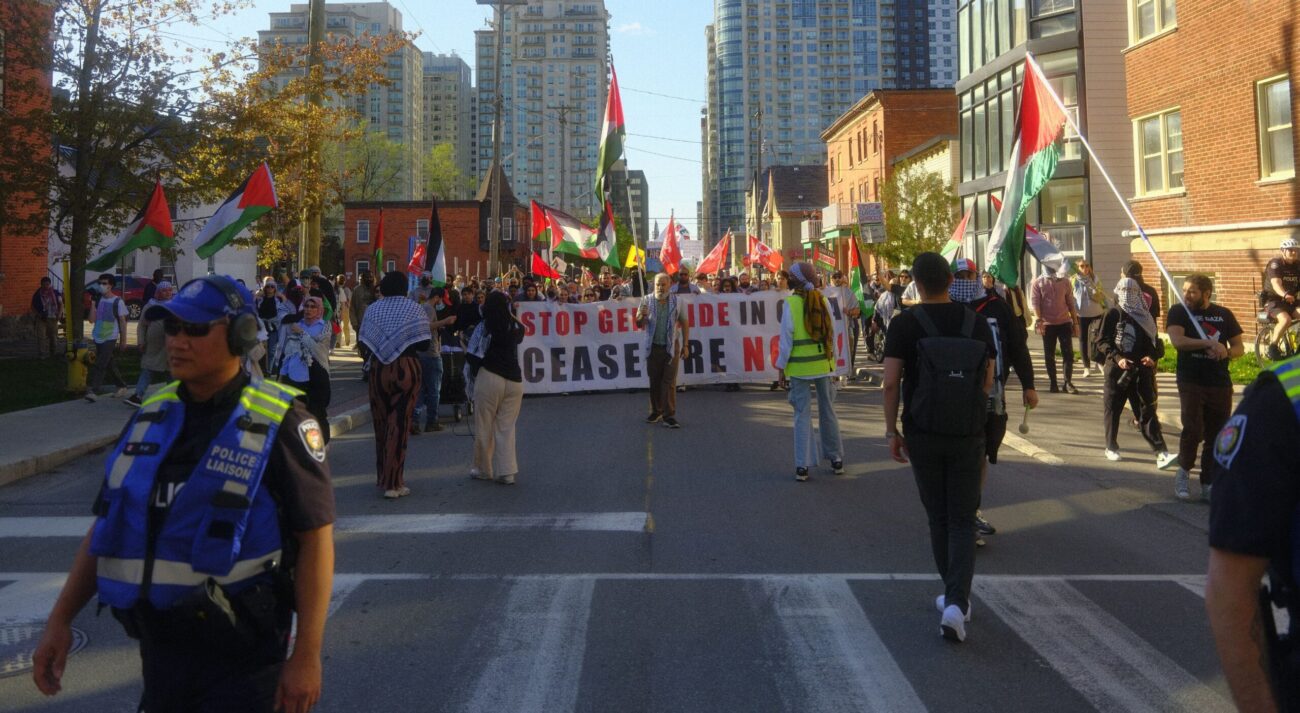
column 937, row 356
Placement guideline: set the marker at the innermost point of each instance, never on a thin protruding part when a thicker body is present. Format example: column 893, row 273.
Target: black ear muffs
column 241, row 334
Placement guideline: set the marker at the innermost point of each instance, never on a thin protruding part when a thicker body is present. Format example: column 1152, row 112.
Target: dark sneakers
column 800, row 474
column 837, row 467
column 982, row 526
column 654, row 418
column 671, row 422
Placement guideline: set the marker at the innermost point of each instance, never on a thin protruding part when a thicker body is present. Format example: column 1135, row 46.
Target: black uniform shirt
column 297, row 477
column 1288, row 273
column 1257, row 485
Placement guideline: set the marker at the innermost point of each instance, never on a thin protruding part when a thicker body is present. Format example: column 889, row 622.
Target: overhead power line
column 657, row 94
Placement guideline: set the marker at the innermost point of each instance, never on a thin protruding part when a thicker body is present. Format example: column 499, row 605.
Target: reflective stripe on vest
column 808, row 356
column 221, row 524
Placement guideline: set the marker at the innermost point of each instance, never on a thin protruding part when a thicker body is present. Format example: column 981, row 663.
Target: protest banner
column 734, row 338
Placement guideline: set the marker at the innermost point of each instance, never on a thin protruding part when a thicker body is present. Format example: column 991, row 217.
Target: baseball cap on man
column 201, row 301
column 964, row 264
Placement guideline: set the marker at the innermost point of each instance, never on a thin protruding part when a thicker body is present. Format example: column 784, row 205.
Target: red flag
column 416, row 265
column 717, row 257
column 670, row 254
column 541, row 269
column 761, row 254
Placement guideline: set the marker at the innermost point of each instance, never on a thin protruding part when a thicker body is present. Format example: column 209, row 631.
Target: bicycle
column 1288, row 347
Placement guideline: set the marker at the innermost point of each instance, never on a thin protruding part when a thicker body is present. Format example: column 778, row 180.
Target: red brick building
column 25, row 80
column 464, row 232
column 862, row 147
column 1211, row 99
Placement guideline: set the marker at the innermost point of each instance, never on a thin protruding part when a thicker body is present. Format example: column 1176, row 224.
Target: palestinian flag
column 607, row 237
column 541, row 226
column 378, row 269
column 152, row 228
column 950, row 249
column 541, row 269
column 567, row 233
column 1033, row 162
column 254, row 199
column 717, row 257
column 1040, row 245
column 611, row 134
column 855, row 270
column 436, row 253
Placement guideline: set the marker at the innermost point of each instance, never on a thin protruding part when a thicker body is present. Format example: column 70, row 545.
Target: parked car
column 133, row 295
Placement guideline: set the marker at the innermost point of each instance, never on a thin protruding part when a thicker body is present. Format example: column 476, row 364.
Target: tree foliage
column 443, row 178
column 919, row 211
column 366, row 166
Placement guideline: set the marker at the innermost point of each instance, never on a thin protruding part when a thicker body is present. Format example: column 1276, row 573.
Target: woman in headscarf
column 304, row 357
column 393, row 330
column 1130, row 349
column 498, row 391
column 807, row 359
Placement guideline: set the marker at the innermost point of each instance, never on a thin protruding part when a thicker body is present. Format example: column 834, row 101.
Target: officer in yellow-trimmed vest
column 213, row 526
column 807, row 359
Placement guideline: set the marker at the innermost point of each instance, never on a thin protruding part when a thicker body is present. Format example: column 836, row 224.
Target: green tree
column 919, row 212
column 443, row 178
column 365, row 166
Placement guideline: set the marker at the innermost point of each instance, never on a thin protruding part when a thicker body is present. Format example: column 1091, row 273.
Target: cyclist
column 1282, row 276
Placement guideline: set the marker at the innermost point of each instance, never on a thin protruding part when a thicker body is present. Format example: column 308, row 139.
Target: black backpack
column 949, row 398
column 1094, row 341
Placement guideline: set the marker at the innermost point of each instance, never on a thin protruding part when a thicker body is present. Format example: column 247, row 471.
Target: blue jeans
column 806, row 453
column 146, row 378
column 430, row 385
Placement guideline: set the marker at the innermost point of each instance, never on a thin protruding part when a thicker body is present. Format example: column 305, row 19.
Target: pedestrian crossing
column 819, row 642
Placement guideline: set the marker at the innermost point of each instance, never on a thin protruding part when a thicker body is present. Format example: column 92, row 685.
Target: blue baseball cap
column 203, row 300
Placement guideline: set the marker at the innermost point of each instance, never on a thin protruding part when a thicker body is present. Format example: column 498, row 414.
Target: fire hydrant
column 79, row 360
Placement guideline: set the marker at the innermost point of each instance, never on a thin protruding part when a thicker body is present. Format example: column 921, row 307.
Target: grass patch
column 28, row 383
column 1243, row 369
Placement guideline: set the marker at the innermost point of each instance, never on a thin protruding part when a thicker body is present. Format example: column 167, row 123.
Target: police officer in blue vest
column 213, row 527
column 1254, row 530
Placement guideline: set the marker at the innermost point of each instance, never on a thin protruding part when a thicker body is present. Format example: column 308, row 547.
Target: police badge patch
column 1229, row 441
column 309, row 432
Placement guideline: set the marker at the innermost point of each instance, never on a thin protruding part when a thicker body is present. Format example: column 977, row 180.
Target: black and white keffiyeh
column 392, row 324
column 1128, row 294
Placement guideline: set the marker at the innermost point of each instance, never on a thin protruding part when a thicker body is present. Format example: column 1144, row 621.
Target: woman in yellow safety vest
column 807, row 359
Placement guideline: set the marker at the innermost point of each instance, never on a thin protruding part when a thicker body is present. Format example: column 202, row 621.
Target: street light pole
column 310, row 236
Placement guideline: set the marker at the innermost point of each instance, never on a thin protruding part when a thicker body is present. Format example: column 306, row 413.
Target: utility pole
column 562, row 112
column 497, row 172
column 309, row 238
column 758, row 176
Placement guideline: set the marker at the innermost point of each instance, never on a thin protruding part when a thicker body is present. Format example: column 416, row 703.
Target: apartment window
column 362, row 266
column 1160, row 144
column 1150, row 17
column 391, row 266
column 363, row 231
column 422, row 229
column 1277, row 150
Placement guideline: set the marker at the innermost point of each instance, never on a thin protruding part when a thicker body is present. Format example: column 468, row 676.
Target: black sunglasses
column 173, row 327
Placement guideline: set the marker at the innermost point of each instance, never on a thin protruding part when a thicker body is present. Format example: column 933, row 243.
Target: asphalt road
column 635, row 568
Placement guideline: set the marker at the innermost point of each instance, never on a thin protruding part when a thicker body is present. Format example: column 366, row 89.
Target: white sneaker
column 952, row 626
column 1113, row 456
column 121, row 393
column 1164, row 459
column 1087, row 372
column 939, row 604
column 392, row 494
column 1181, row 488
column 476, row 474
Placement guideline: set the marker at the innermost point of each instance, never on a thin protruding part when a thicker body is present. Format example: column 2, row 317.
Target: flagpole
column 1029, row 57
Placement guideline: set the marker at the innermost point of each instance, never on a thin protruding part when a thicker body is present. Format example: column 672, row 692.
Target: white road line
column 427, row 524
column 28, row 598
column 1105, row 661
column 1031, row 449
column 456, row 523
column 346, row 584
column 535, row 649
column 834, row 660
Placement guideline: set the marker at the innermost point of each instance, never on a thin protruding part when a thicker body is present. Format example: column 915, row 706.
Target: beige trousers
column 496, row 408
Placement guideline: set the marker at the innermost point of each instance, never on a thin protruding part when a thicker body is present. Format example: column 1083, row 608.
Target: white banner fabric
column 734, row 338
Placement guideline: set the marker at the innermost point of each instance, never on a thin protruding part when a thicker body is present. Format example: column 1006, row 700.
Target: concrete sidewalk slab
column 40, row 439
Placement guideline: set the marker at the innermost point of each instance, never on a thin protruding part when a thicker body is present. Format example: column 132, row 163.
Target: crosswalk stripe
column 835, row 658
column 536, row 651
column 27, row 598
column 418, row 524
column 1105, row 661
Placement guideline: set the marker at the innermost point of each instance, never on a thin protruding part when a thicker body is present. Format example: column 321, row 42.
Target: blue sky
column 658, row 47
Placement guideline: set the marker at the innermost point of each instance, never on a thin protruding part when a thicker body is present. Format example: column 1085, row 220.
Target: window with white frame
column 363, row 231
column 1150, row 17
column 1276, row 146
column 362, row 266
column 391, row 266
column 1158, row 142
column 422, row 229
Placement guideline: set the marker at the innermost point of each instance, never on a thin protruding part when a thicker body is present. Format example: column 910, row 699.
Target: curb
column 36, row 465
column 353, row 418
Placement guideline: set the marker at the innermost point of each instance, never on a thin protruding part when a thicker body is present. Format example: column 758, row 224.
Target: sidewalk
column 39, row 439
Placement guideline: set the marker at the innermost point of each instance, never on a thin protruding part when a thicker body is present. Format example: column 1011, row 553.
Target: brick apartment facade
column 1216, row 81
column 864, row 143
column 464, row 233
column 25, row 38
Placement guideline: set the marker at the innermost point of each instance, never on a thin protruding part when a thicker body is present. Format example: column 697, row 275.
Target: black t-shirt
column 297, row 479
column 1257, row 481
column 1197, row 367
column 603, row 292
column 905, row 331
column 1288, row 274
column 502, row 355
column 1153, row 298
